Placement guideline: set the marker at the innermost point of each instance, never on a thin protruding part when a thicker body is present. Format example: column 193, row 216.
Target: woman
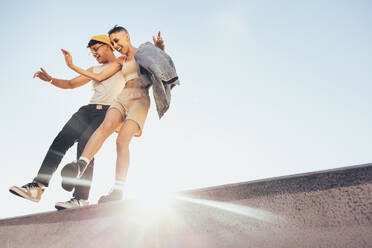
column 130, row 108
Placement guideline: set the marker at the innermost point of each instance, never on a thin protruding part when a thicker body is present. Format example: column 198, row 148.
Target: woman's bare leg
column 112, row 120
column 127, row 131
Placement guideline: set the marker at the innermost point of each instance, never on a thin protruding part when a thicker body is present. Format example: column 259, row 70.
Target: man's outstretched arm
column 62, row 83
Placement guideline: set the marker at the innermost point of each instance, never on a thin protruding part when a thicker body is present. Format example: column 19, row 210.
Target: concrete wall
column 321, row 209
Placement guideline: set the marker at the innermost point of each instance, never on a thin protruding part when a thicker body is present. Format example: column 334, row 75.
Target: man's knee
column 63, row 141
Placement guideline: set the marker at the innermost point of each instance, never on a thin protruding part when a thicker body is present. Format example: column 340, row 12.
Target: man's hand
column 68, row 57
column 158, row 41
column 43, row 75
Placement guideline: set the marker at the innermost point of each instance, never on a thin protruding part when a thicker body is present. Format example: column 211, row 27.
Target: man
column 81, row 125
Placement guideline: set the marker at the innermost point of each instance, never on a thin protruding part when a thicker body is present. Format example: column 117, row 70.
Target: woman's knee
column 108, row 126
column 122, row 142
column 112, row 120
column 127, row 131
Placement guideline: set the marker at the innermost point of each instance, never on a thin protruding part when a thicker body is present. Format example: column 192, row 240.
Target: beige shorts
column 133, row 104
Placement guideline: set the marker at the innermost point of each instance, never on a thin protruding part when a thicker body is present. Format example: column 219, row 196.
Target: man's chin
column 101, row 61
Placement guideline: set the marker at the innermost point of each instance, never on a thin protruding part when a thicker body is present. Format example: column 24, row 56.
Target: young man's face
column 120, row 41
column 100, row 52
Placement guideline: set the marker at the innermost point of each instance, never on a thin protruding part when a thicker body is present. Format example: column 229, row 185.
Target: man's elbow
column 70, row 85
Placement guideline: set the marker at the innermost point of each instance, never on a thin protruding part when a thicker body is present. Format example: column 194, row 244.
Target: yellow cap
column 104, row 39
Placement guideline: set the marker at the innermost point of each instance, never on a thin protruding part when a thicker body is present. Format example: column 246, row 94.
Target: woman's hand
column 120, row 60
column 158, row 41
column 43, row 75
column 68, row 57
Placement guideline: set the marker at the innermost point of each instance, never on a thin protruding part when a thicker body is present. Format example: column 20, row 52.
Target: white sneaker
column 31, row 191
column 73, row 203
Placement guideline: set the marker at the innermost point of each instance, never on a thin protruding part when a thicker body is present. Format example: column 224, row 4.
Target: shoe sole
column 69, row 173
column 20, row 193
column 61, row 207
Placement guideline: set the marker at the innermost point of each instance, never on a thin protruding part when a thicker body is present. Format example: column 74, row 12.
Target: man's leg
column 64, row 140
column 82, row 189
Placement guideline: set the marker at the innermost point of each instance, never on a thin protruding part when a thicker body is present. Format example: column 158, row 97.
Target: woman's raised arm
column 108, row 72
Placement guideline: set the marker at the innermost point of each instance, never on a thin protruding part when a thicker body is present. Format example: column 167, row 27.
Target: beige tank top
column 130, row 70
column 106, row 91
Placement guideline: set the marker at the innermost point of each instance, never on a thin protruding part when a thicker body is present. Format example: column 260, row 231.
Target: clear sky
column 268, row 88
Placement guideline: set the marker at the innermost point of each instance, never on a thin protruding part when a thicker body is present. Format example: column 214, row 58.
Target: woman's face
column 120, row 41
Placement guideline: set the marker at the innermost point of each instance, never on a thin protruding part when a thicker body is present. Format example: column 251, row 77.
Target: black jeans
column 79, row 128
